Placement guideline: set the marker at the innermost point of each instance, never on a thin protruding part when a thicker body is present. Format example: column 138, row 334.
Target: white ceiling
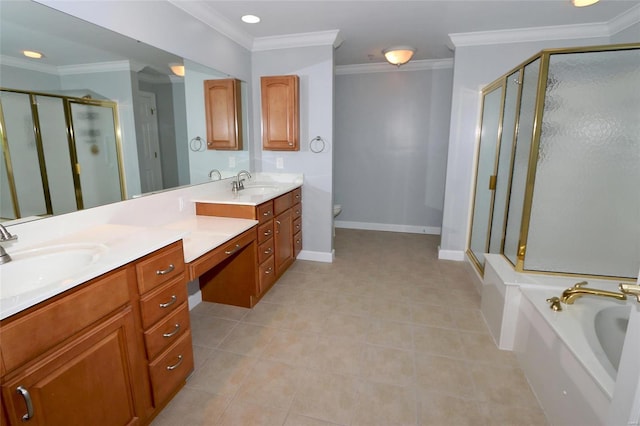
column 367, row 27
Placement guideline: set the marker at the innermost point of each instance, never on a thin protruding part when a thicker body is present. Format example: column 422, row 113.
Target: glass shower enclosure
column 59, row 154
column 558, row 174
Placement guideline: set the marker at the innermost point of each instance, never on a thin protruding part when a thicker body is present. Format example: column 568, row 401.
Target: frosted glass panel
column 53, row 131
column 97, row 154
column 586, row 204
column 521, row 159
column 504, row 164
column 486, row 165
column 23, row 152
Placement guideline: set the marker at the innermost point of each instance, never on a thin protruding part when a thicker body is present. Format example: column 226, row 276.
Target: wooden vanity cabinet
column 111, row 351
column 76, row 358
column 275, row 237
column 280, row 112
column 222, row 104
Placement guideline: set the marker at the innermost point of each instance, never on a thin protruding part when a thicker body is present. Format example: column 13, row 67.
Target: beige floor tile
column 271, row 384
column 479, row 347
column 298, row 420
column 222, row 373
column 247, row 339
column 243, row 413
column 291, row 347
column 230, row 312
column 209, row 331
column 510, row 415
column 345, row 325
column 200, row 355
column 268, row 315
column 382, row 404
column 337, row 355
column 194, row 408
column 437, row 341
column 432, row 315
column 439, row 410
column 444, row 375
column 391, row 334
column 387, row 365
column 470, row 320
column 391, row 310
column 328, row 397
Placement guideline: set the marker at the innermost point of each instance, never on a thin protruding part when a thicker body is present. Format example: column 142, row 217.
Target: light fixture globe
column 398, row 55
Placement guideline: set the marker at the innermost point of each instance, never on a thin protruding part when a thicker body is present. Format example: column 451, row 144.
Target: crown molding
column 624, row 20
column 318, row 38
column 206, row 14
column 421, row 65
column 97, row 67
column 28, row 64
column 559, row 32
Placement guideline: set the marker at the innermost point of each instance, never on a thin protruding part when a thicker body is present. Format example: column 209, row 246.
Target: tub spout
column 578, row 290
column 630, row 289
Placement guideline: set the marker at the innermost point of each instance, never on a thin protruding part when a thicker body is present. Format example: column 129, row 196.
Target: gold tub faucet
column 579, row 289
column 630, row 289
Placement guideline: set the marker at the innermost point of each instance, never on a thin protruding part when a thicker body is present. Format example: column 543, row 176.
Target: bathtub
column 570, row 358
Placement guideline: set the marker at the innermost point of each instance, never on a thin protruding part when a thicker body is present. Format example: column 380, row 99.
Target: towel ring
column 196, row 144
column 317, row 147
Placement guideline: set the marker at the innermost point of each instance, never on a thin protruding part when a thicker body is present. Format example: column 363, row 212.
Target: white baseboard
column 317, row 256
column 411, row 229
column 195, row 299
column 451, row 255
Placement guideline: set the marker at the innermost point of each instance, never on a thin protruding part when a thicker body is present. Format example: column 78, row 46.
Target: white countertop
column 119, row 244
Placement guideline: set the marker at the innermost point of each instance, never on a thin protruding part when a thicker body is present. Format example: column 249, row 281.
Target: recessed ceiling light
column 250, row 19
column 32, row 54
column 583, row 3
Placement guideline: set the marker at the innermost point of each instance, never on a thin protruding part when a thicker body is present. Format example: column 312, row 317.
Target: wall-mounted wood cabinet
column 222, row 102
column 280, row 113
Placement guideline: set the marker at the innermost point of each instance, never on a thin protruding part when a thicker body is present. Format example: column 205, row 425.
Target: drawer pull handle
column 267, row 213
column 297, row 212
column 278, row 223
column 166, row 271
column 176, row 365
column 268, row 232
column 173, row 300
column 27, row 400
column 232, row 251
column 268, row 271
column 268, row 251
column 173, row 333
column 297, row 196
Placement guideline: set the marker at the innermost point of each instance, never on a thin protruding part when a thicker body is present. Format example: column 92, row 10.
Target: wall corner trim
column 421, row 65
column 457, row 255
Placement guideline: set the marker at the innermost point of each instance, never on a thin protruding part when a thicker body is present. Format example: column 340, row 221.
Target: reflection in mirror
column 158, row 112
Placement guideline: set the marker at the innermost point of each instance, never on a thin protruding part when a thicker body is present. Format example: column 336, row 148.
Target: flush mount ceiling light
column 32, row 54
column 250, row 19
column 398, row 55
column 177, row 69
column 583, row 3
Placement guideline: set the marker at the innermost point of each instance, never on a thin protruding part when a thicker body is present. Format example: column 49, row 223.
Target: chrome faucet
column 215, row 171
column 5, row 235
column 578, row 290
column 239, row 182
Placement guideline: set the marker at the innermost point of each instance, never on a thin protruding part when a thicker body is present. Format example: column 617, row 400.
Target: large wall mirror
column 57, row 111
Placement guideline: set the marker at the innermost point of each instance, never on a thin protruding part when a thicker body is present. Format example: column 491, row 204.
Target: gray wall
column 392, row 130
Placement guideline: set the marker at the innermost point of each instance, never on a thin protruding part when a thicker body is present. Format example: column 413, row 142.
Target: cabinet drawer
column 282, row 203
column 296, row 210
column 267, row 275
column 25, row 337
column 160, row 302
column 264, row 212
column 297, row 244
column 207, row 261
column 296, row 194
column 167, row 331
column 171, row 368
column 297, row 225
column 160, row 267
column 265, row 231
column 265, row 250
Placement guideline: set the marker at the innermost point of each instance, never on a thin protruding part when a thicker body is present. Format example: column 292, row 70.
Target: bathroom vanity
column 109, row 341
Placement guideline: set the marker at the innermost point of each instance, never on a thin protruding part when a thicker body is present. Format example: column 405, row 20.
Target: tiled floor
column 385, row 335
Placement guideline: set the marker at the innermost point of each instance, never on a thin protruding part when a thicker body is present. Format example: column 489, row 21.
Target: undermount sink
column 36, row 268
column 258, row 189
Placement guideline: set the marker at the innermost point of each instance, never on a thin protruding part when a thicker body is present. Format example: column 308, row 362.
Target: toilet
column 337, row 208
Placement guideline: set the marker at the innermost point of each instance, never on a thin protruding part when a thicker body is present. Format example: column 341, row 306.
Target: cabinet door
column 280, row 113
column 283, row 241
column 86, row 382
column 222, row 109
